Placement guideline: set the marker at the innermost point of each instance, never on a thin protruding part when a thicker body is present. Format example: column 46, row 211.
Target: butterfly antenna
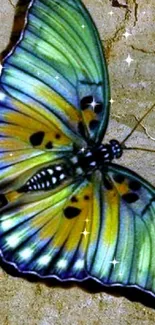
column 138, row 148
column 135, row 127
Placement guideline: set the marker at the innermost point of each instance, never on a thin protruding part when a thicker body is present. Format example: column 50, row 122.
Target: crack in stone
column 6, row 321
column 135, row 12
column 110, row 43
column 142, row 50
column 147, row 132
column 117, row 36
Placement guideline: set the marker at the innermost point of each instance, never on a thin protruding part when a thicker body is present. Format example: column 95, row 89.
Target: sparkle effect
column 93, row 103
column 111, row 101
column 128, row 60
column 126, row 35
column 111, row 13
column 85, row 233
column 114, row 262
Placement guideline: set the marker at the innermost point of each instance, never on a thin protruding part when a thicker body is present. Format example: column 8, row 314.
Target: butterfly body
column 66, row 209
column 82, row 162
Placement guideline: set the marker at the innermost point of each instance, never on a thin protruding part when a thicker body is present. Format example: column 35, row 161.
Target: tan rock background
column 31, row 303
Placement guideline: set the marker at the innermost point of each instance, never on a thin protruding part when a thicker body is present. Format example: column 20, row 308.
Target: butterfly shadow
column 89, row 286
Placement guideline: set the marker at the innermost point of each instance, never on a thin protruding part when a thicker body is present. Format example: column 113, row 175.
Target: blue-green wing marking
column 60, row 52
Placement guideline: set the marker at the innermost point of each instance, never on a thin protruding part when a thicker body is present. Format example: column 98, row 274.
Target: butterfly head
column 116, row 149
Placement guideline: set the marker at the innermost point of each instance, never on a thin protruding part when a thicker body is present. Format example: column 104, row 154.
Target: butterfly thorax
column 96, row 157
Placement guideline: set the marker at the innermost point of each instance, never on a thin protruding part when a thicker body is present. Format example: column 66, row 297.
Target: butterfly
column 67, row 211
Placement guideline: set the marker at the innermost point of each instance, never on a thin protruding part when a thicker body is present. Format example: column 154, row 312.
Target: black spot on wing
column 3, row 201
column 86, row 197
column 58, row 136
column 98, row 108
column 71, row 212
column 85, row 102
column 74, row 199
column 130, row 197
column 49, row 145
column 36, row 138
column 134, row 185
column 118, row 178
column 93, row 124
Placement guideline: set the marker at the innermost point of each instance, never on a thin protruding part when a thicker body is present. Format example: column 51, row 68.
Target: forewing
column 30, row 138
column 58, row 62
column 125, row 252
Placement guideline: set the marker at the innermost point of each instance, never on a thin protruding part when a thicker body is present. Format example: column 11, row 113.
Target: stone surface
column 30, row 303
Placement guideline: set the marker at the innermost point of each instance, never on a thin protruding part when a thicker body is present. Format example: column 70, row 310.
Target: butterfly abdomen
column 47, row 178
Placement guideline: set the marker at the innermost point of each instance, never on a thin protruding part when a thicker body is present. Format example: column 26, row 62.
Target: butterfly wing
column 101, row 229
column 46, row 234
column 45, row 81
column 30, row 137
column 59, row 63
column 124, row 253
